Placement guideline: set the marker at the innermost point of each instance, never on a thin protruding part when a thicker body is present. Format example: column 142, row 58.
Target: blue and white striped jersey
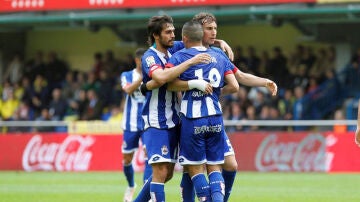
column 161, row 107
column 195, row 103
column 132, row 120
column 221, row 52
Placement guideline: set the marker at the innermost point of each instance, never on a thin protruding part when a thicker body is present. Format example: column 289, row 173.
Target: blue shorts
column 228, row 149
column 130, row 141
column 201, row 141
column 162, row 144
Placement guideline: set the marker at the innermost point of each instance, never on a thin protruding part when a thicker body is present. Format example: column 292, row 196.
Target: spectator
column 111, row 65
column 44, row 116
column 68, row 86
column 98, row 64
column 15, row 69
column 352, row 78
column 278, row 67
column 105, row 88
column 39, row 94
column 8, row 106
column 57, row 106
column 239, row 60
column 237, row 113
column 56, row 71
column 339, row 128
column 285, row 105
column 253, row 61
column 94, row 109
column 35, row 66
column 77, row 106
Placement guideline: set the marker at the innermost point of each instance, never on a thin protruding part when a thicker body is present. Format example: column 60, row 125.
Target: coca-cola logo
column 72, row 154
column 308, row 154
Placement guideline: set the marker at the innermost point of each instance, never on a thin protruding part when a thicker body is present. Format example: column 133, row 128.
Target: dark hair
column 139, row 52
column 156, row 25
column 203, row 18
column 193, row 31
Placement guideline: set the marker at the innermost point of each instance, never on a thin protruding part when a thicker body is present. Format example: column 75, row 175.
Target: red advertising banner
column 42, row 5
column 296, row 152
column 60, row 152
column 264, row 152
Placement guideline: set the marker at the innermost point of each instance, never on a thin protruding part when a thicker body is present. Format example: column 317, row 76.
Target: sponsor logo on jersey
column 150, row 61
column 164, row 150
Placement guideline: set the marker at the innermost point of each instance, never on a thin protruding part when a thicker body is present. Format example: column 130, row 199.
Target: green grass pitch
column 109, row 187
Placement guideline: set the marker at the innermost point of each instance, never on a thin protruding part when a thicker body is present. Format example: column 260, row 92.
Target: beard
column 167, row 44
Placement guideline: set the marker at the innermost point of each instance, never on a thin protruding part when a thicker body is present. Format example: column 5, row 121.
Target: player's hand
column 271, row 86
column 208, row 89
column 227, row 49
column 357, row 136
column 200, row 58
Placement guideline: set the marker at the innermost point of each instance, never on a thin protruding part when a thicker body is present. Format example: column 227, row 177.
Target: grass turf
column 109, row 187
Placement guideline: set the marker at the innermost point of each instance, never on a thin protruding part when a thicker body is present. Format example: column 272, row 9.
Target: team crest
column 164, row 150
column 150, row 61
column 124, row 145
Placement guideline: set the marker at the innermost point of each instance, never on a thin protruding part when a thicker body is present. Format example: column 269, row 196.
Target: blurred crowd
column 47, row 88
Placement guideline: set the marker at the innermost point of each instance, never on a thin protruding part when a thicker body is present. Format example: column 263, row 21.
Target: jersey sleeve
column 150, row 64
column 173, row 61
column 233, row 68
column 229, row 66
column 125, row 81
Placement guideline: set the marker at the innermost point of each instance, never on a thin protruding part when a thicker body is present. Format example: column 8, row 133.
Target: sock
column 217, row 186
column 144, row 194
column 129, row 174
column 157, row 191
column 147, row 171
column 187, row 188
column 202, row 188
column 229, row 177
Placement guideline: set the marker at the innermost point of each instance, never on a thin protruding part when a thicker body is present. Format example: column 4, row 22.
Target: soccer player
column 357, row 133
column 160, row 111
column 209, row 24
column 132, row 122
column 201, row 139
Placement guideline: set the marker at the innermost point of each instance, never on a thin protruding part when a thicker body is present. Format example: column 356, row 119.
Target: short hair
column 139, row 52
column 193, row 31
column 156, row 25
column 204, row 17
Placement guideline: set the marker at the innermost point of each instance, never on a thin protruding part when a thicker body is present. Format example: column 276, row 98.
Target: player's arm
column 357, row 133
column 225, row 47
column 255, row 81
column 165, row 75
column 232, row 86
column 129, row 88
column 180, row 85
column 160, row 76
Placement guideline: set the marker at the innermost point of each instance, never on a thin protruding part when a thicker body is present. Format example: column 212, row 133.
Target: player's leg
column 215, row 158
column 229, row 168
column 147, row 167
column 193, row 155
column 216, row 183
column 162, row 158
column 186, row 187
column 130, row 144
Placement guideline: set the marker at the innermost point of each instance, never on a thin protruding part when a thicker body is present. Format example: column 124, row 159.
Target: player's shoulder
column 127, row 73
column 178, row 45
column 219, row 52
column 149, row 58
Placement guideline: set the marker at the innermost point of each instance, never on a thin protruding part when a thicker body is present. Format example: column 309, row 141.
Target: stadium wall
column 261, row 151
